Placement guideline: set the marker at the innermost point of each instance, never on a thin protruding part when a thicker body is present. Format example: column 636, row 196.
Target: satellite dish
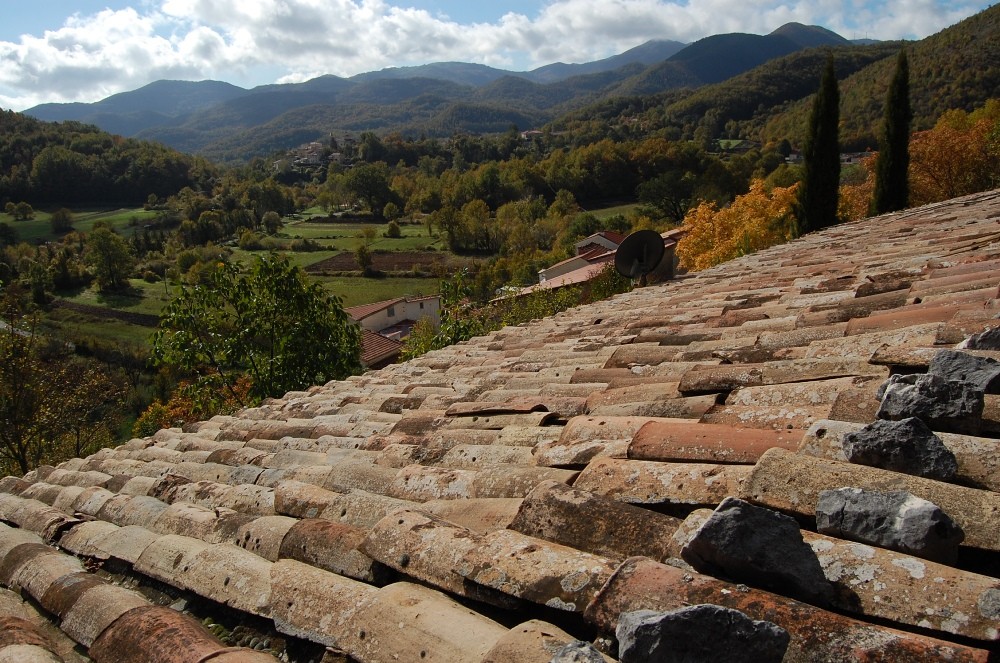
column 639, row 254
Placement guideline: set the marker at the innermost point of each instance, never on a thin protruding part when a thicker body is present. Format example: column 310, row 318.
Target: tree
column 365, row 259
column 264, row 322
column 892, row 191
column 22, row 211
column 959, row 156
column 51, row 404
column 109, row 256
column 816, row 205
column 61, row 220
column 753, row 221
column 272, row 222
column 370, row 182
column 670, row 193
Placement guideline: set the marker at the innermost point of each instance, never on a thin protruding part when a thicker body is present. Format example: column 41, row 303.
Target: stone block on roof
column 229, row 575
column 792, row 482
column 359, row 474
column 533, row 641
column 132, row 510
column 82, row 539
column 314, row 604
column 429, row 548
column 26, row 653
column 41, row 491
column 333, row 547
column 477, row 456
column 126, row 543
column 263, row 536
column 816, row 634
column 155, row 635
column 34, row 567
column 683, row 441
column 479, row 514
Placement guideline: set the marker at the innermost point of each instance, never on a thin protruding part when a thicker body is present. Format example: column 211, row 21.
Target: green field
column 348, row 236
column 76, row 325
column 607, row 212
column 354, row 291
column 143, row 297
column 39, row 228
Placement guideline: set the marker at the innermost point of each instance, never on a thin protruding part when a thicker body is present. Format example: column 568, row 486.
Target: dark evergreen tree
column 816, row 206
column 892, row 190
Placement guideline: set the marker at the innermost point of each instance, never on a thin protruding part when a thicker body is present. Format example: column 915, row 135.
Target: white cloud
column 249, row 42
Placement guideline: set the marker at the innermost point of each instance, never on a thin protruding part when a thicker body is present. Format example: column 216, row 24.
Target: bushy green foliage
column 264, row 322
column 71, row 163
column 53, row 406
column 110, row 258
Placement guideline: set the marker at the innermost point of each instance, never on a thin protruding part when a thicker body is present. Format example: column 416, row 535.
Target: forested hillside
column 71, row 163
column 728, row 86
column 957, row 68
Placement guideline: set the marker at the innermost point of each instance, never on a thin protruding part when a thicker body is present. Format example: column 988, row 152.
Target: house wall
column 564, row 267
column 406, row 310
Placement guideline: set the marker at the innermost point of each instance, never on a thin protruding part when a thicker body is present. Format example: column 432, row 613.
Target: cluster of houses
column 385, row 325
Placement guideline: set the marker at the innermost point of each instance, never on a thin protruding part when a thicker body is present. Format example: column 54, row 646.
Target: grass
column 39, row 228
column 74, row 324
column 348, row 236
column 354, row 291
column 142, row 297
column 608, row 212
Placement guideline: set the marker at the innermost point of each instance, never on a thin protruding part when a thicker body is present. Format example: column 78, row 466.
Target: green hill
column 958, row 67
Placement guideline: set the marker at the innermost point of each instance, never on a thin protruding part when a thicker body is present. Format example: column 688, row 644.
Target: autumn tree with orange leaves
column 959, row 156
column 753, row 221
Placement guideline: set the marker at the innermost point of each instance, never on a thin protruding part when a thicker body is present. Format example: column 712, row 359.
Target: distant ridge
column 230, row 124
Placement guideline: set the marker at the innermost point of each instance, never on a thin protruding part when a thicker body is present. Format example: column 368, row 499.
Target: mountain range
column 231, row 124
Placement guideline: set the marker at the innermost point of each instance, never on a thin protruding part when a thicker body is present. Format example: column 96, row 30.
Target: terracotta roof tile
column 531, row 464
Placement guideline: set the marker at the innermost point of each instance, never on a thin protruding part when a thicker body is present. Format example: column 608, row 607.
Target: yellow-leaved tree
column 959, row 156
column 856, row 193
column 756, row 220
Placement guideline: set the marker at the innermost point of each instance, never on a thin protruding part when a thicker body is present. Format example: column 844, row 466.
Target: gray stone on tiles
column 896, row 520
column 577, row 651
column 698, row 633
column 945, row 405
column 985, row 340
column 759, row 547
column 982, row 372
column 906, row 446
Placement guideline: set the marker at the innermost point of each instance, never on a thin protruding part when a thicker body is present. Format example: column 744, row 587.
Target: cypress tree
column 816, row 206
column 892, row 190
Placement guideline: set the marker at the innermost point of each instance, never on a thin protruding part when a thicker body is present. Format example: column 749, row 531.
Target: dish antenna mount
column 639, row 254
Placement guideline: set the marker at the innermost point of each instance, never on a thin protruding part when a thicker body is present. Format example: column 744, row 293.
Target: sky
column 86, row 50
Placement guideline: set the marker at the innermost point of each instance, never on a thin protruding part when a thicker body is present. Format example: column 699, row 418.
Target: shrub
column 305, row 245
column 392, row 231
